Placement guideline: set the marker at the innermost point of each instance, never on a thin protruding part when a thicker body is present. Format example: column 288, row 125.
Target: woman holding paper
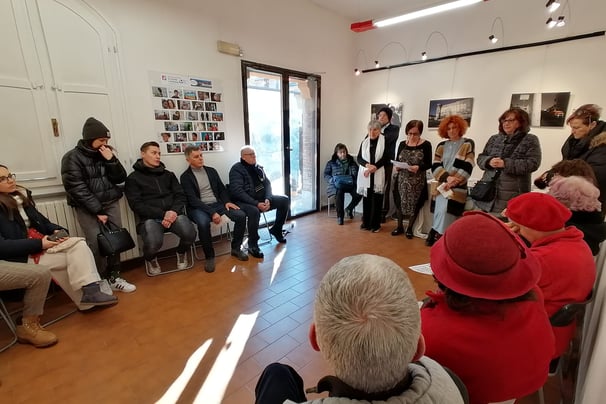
column 452, row 166
column 411, row 191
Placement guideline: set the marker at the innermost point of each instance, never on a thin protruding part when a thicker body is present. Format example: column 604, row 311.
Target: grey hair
column 374, row 124
column 246, row 148
column 367, row 321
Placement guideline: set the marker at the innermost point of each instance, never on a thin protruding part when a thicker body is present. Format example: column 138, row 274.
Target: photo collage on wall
column 188, row 111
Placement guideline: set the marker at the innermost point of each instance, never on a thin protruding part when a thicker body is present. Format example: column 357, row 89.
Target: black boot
column 431, row 238
column 92, row 294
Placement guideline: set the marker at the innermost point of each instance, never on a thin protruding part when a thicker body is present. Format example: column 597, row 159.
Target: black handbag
column 485, row 191
column 113, row 240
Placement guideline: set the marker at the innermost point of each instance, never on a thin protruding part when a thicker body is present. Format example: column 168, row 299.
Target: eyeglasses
column 508, row 120
column 248, row 154
column 11, row 177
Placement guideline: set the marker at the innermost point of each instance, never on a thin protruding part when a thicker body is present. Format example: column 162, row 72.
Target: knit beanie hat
column 538, row 211
column 94, row 129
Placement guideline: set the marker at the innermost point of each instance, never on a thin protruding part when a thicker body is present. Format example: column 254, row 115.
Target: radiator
column 58, row 211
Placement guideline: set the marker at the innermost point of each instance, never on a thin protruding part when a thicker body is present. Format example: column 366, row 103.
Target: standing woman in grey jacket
column 514, row 153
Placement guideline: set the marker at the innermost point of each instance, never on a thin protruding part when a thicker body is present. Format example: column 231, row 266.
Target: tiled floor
column 197, row 337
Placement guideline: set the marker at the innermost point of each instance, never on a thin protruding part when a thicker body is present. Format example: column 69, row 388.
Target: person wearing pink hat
column 487, row 322
column 567, row 267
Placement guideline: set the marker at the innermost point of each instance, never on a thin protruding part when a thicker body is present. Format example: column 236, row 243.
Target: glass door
column 282, row 123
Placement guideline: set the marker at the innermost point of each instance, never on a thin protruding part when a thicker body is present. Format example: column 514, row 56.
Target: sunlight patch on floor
column 218, row 378
column 176, row 388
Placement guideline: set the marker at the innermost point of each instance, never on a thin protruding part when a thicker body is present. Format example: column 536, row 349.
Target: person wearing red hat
column 487, row 322
column 567, row 267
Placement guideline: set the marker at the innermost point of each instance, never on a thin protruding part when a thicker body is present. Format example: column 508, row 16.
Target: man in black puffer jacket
column 90, row 174
column 157, row 198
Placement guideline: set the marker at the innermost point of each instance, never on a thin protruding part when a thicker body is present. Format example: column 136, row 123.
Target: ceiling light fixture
column 551, row 22
column 357, row 72
column 372, row 24
column 377, row 64
column 424, row 53
column 552, row 5
column 492, row 37
column 561, row 21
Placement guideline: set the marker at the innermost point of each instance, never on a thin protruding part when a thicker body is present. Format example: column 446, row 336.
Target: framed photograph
column 397, row 110
column 553, row 109
column 439, row 109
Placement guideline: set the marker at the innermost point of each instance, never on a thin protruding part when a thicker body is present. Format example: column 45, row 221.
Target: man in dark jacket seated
column 250, row 188
column 156, row 197
column 208, row 200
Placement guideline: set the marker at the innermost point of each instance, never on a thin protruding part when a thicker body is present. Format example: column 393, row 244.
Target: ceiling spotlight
column 423, row 55
column 357, row 72
column 493, row 39
column 561, row 21
column 551, row 22
column 552, row 5
column 377, row 64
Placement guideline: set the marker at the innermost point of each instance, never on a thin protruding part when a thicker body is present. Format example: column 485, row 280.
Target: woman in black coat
column 341, row 173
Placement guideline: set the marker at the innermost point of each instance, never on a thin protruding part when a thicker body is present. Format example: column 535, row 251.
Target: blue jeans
column 203, row 221
column 152, row 234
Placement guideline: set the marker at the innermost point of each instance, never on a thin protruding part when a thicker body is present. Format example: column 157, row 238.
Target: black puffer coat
column 89, row 179
column 152, row 191
column 335, row 167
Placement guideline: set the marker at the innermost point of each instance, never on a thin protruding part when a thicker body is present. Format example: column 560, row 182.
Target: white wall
column 179, row 36
column 490, row 79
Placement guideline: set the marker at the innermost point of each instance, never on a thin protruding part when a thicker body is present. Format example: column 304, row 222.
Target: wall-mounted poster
column 397, row 109
column 439, row 109
column 188, row 111
column 544, row 109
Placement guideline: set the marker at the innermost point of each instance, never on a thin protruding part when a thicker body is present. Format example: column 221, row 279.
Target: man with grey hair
column 367, row 326
column 250, row 189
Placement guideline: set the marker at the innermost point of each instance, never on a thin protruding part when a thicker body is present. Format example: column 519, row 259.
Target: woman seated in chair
column 35, row 279
column 341, row 173
column 487, row 322
column 28, row 236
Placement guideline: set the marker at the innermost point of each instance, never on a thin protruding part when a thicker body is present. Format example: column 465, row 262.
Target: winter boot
column 31, row 332
column 91, row 294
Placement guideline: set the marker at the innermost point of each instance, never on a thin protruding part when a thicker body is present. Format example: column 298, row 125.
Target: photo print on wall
column 544, row 109
column 397, row 109
column 188, row 111
column 439, row 109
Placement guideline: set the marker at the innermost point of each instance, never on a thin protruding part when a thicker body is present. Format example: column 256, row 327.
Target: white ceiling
column 362, row 10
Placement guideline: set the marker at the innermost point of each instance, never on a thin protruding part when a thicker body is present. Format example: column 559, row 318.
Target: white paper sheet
column 422, row 269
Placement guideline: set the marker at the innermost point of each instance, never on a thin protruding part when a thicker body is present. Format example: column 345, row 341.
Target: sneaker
column 209, row 265
column 182, row 261
column 120, row 284
column 92, row 294
column 153, row 267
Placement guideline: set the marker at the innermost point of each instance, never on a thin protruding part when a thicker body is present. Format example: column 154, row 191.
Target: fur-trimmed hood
column 598, row 140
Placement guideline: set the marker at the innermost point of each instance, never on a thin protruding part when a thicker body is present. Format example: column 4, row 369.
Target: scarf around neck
column 379, row 175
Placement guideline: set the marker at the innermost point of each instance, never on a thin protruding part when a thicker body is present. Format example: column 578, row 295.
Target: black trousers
column 371, row 213
column 279, row 383
column 279, row 202
column 340, row 200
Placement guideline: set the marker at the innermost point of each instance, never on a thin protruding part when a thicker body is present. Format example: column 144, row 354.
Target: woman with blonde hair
column 452, row 165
